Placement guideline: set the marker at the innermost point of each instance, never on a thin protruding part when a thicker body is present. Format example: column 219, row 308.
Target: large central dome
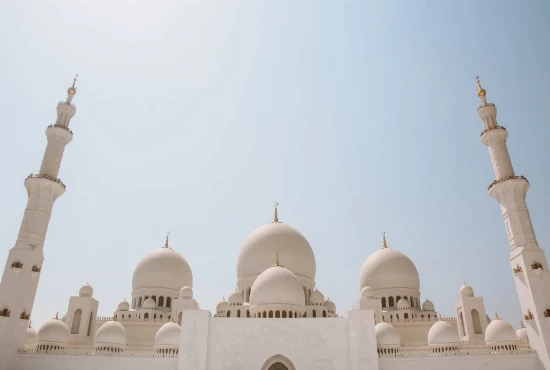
column 388, row 268
column 258, row 250
column 162, row 268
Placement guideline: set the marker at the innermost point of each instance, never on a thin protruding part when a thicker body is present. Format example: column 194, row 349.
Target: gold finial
column 480, row 90
column 384, row 244
column 276, row 213
column 496, row 316
column 277, row 260
column 57, row 315
column 166, row 242
column 72, row 90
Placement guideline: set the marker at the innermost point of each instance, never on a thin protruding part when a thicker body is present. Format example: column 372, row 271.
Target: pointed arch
column 476, row 321
column 75, row 326
column 278, row 362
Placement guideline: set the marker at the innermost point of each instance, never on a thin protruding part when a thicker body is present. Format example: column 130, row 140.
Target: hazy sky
column 195, row 117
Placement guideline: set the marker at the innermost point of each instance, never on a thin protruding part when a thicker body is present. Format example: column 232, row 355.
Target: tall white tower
column 528, row 261
column 24, row 264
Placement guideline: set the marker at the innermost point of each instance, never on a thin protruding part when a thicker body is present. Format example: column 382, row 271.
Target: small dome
column 186, row 292
column 367, row 292
column 500, row 332
column 30, row 337
column 257, row 252
column 387, row 336
column 277, row 285
column 222, row 306
column 388, row 268
column 403, row 304
column 521, row 334
column 162, row 268
column 149, row 304
column 236, row 298
column 112, row 333
column 86, row 291
column 466, row 291
column 443, row 334
column 331, row 307
column 428, row 305
column 168, row 336
column 316, row 298
column 124, row 306
column 53, row 331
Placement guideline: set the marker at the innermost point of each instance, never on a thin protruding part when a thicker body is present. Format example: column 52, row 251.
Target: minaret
column 528, row 261
column 24, row 264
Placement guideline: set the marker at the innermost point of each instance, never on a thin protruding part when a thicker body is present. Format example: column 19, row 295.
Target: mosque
column 277, row 318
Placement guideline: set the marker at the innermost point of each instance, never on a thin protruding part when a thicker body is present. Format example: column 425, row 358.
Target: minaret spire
column 18, row 291
column 276, row 213
column 384, row 243
column 527, row 259
column 166, row 242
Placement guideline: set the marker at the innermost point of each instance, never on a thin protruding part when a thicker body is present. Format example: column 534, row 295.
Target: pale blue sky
column 194, row 117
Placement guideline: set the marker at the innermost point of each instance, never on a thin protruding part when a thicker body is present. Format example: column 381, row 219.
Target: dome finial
column 384, row 244
column 277, row 260
column 496, row 316
column 276, row 213
column 166, row 242
column 57, row 315
column 480, row 90
column 71, row 91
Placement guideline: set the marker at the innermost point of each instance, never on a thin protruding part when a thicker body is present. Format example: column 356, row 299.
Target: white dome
column 367, row 292
column 277, row 285
column 30, row 337
column 403, row 304
column 522, row 334
column 162, row 268
column 222, row 306
column 443, row 334
column 388, row 268
column 236, row 298
column 387, row 335
column 466, row 290
column 53, row 331
column 149, row 304
column 428, row 305
column 86, row 291
column 186, row 292
column 316, row 298
column 257, row 252
column 499, row 331
column 331, row 307
column 168, row 336
column 124, row 306
column 111, row 333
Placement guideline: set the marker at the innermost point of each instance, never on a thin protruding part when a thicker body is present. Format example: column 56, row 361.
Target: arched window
column 154, row 298
column 238, row 313
column 406, row 315
column 90, row 324
column 324, row 313
column 247, row 313
column 139, row 302
column 284, row 315
column 228, row 313
column 161, row 301
column 75, row 326
column 270, row 314
column 146, row 315
column 264, row 314
column 461, row 321
column 277, row 314
column 278, row 362
column 390, row 302
column 476, row 322
column 168, row 302
column 314, row 313
column 383, row 302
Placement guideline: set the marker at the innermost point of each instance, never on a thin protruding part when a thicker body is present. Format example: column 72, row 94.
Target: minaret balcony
column 47, row 177
column 491, row 129
column 506, row 179
column 485, row 105
column 62, row 127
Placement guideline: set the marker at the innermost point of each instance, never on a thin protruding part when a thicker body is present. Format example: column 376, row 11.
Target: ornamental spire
column 276, row 213
column 277, row 260
column 481, row 91
column 71, row 91
column 166, row 242
column 496, row 316
column 384, row 244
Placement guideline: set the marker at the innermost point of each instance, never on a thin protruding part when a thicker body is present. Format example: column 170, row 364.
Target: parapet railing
column 460, row 351
column 93, row 352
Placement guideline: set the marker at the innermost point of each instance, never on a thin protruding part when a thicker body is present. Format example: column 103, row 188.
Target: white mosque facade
column 277, row 318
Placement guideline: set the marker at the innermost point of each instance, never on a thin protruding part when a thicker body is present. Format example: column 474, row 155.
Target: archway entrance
column 278, row 366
